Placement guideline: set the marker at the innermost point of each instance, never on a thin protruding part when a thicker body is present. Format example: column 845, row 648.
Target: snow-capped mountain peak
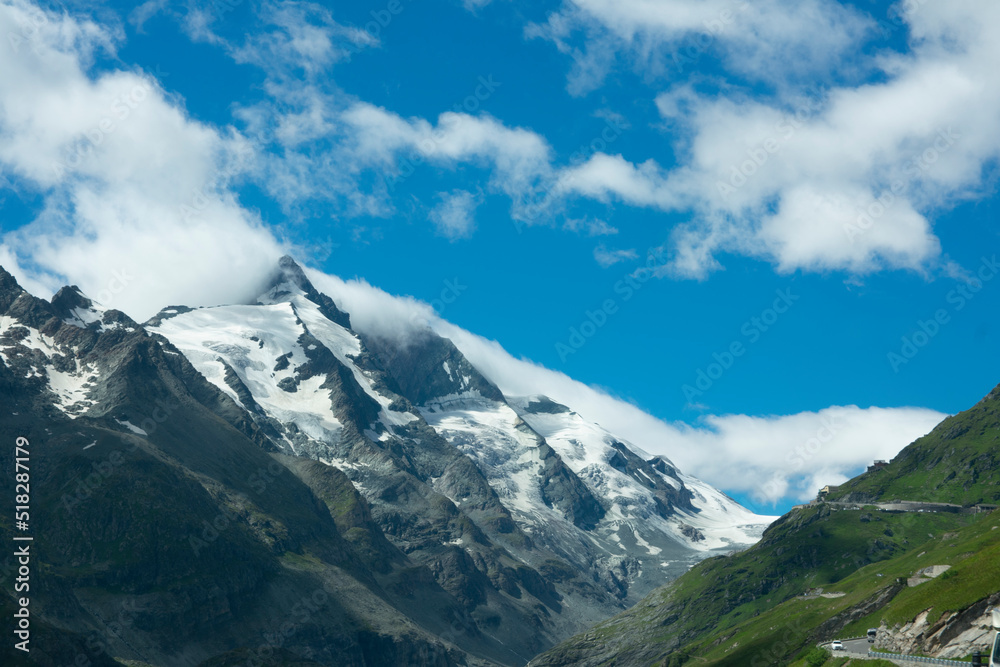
column 511, row 502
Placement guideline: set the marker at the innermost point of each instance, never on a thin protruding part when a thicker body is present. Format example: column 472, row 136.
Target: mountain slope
column 763, row 605
column 500, row 467
column 170, row 535
column 958, row 462
column 217, row 468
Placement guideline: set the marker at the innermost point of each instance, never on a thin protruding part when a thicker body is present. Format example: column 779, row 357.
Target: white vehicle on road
column 837, row 645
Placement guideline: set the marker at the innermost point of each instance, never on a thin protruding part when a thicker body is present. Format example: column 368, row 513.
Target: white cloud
column 792, row 456
column 769, row 40
column 374, row 311
column 455, row 215
column 592, row 227
column 144, row 12
column 519, row 157
column 608, row 258
column 768, row 458
column 845, row 181
column 303, row 38
column 137, row 199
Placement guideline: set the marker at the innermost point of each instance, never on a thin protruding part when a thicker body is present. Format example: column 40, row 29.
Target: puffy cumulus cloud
column 139, row 196
column 765, row 40
column 518, row 157
column 137, row 199
column 770, row 459
column 455, row 214
column 845, row 181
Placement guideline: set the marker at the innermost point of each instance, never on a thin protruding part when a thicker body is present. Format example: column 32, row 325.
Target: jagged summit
column 289, row 279
column 70, row 297
column 9, row 289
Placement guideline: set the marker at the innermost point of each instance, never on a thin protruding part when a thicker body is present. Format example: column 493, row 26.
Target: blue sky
column 537, row 156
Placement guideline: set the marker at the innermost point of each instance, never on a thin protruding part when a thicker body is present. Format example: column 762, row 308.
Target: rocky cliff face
column 955, row 634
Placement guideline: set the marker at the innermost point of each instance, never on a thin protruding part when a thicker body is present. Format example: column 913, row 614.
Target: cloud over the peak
column 137, row 198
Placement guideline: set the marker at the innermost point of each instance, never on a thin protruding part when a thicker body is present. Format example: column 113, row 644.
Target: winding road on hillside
column 858, row 648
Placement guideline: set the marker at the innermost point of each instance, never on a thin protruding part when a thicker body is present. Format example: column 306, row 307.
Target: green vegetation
column 973, row 552
column 750, row 609
column 958, row 462
column 819, row 657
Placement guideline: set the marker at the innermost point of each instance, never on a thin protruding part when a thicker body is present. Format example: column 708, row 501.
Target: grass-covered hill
column 958, row 462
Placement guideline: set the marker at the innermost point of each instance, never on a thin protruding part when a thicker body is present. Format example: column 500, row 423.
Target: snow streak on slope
column 253, row 341
column 262, row 345
column 486, row 431
column 572, row 486
column 619, row 547
column 638, row 533
column 70, row 388
column 587, row 449
column 722, row 517
column 343, row 343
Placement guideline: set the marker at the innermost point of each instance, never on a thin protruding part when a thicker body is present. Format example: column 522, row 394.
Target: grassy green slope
column 958, row 462
column 749, row 604
column 973, row 551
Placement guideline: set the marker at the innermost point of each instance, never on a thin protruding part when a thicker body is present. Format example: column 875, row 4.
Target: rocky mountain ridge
column 283, row 458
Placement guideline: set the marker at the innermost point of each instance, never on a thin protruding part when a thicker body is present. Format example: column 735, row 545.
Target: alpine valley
column 261, row 484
